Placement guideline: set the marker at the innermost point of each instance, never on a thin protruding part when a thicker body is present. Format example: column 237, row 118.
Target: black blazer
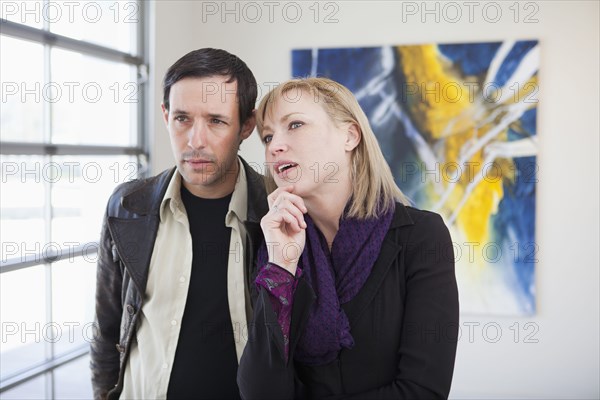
column 404, row 322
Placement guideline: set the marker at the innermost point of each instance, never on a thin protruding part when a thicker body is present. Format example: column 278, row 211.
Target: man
column 176, row 251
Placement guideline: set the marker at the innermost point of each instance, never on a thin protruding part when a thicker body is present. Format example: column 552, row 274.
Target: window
column 73, row 80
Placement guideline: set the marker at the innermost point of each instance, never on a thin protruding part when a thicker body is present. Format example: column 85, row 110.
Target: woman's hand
column 284, row 228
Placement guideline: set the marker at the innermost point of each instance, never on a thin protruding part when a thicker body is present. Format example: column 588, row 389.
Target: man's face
column 203, row 124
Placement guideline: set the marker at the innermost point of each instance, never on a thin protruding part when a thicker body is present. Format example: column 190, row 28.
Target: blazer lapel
column 390, row 249
column 355, row 307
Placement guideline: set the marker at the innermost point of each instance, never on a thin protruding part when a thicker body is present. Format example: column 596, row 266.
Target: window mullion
column 47, row 138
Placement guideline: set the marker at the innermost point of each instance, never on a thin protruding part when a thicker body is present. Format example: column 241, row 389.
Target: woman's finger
column 277, row 197
column 286, row 217
column 291, row 207
column 286, row 192
column 281, row 220
column 291, row 221
column 277, row 192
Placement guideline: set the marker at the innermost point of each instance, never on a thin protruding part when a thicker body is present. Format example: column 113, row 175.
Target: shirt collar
column 172, row 198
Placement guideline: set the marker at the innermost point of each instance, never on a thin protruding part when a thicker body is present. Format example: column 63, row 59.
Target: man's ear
column 248, row 126
column 165, row 114
column 353, row 137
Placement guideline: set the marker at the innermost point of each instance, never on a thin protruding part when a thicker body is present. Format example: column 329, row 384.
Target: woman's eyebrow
column 287, row 116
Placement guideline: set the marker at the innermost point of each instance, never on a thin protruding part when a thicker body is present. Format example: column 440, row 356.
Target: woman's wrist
column 290, row 267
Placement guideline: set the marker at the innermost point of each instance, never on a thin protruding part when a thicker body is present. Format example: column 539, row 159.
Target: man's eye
column 267, row 139
column 216, row 121
column 296, row 124
column 181, row 118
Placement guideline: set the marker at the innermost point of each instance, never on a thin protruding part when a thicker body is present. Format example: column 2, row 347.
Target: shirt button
column 173, row 322
column 182, row 279
column 164, row 365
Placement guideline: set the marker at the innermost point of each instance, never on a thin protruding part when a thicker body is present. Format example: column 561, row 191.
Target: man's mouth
column 197, row 162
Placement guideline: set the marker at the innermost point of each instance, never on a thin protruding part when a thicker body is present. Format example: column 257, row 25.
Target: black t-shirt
column 205, row 365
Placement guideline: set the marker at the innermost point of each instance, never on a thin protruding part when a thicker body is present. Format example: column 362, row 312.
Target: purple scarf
column 336, row 277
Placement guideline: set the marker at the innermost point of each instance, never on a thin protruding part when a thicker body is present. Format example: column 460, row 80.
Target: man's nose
column 197, row 136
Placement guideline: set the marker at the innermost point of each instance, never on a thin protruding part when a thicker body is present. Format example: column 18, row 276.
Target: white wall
column 564, row 363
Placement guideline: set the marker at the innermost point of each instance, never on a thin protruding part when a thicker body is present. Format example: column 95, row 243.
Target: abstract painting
column 457, row 125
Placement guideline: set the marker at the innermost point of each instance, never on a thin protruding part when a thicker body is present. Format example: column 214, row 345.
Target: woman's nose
column 277, row 144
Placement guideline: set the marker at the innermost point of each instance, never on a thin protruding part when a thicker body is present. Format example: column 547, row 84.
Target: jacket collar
column 146, row 199
column 135, row 237
column 401, row 217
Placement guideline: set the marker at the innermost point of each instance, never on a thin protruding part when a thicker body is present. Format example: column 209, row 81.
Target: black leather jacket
column 128, row 236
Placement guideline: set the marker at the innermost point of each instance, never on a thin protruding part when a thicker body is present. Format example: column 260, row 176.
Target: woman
column 356, row 294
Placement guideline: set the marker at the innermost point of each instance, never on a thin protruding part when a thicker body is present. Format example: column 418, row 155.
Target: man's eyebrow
column 180, row 112
column 219, row 116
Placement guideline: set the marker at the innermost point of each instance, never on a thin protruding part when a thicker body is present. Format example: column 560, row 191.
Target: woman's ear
column 353, row 137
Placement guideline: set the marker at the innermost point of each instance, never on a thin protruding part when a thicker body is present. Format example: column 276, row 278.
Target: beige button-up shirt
column 152, row 353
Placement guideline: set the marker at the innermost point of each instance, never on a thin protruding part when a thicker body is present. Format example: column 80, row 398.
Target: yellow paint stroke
column 449, row 122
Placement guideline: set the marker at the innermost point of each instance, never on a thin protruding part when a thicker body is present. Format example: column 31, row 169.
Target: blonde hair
column 374, row 191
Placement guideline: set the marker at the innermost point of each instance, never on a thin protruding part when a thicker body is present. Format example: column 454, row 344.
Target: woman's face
column 304, row 147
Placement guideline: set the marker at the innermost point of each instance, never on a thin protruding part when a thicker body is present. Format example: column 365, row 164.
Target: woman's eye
column 267, row 139
column 296, row 124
